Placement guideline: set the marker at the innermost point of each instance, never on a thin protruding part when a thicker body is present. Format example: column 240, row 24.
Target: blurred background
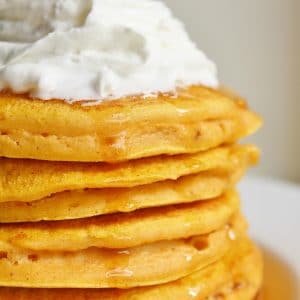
column 256, row 46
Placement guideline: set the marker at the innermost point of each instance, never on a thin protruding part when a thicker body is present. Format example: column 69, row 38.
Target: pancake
column 238, row 276
column 106, row 268
column 123, row 230
column 91, row 202
column 30, row 180
column 194, row 119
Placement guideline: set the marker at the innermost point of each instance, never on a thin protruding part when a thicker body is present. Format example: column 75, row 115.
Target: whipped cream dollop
column 96, row 49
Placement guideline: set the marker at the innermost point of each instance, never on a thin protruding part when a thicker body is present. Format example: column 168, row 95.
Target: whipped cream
column 96, row 49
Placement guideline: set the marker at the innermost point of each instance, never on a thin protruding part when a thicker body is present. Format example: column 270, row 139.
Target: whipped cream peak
column 96, row 49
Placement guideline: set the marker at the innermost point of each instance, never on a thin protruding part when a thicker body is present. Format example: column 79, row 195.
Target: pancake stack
column 127, row 199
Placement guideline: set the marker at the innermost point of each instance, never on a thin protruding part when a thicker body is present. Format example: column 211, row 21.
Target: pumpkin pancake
column 238, row 276
column 30, row 180
column 192, row 120
column 123, row 230
column 125, row 268
column 91, row 202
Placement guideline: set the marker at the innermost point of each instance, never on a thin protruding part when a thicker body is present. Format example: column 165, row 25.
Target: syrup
column 280, row 283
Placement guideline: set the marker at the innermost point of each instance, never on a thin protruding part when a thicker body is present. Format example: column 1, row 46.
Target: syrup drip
column 118, row 272
column 232, row 234
column 188, row 257
column 194, row 292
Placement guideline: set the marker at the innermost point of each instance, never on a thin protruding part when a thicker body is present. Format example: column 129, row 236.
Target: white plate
column 273, row 211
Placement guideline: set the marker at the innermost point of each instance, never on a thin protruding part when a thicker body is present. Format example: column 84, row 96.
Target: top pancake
column 193, row 120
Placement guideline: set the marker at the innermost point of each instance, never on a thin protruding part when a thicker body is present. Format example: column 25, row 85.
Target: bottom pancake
column 238, row 276
column 108, row 268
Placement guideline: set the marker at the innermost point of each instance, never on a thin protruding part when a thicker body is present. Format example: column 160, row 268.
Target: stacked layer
column 129, row 199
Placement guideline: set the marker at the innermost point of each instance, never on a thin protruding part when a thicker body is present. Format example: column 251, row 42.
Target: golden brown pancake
column 238, row 276
column 145, row 265
column 29, row 180
column 123, row 230
column 195, row 119
column 91, row 202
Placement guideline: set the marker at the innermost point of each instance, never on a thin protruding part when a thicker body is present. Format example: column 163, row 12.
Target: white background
column 273, row 233
column 256, row 45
